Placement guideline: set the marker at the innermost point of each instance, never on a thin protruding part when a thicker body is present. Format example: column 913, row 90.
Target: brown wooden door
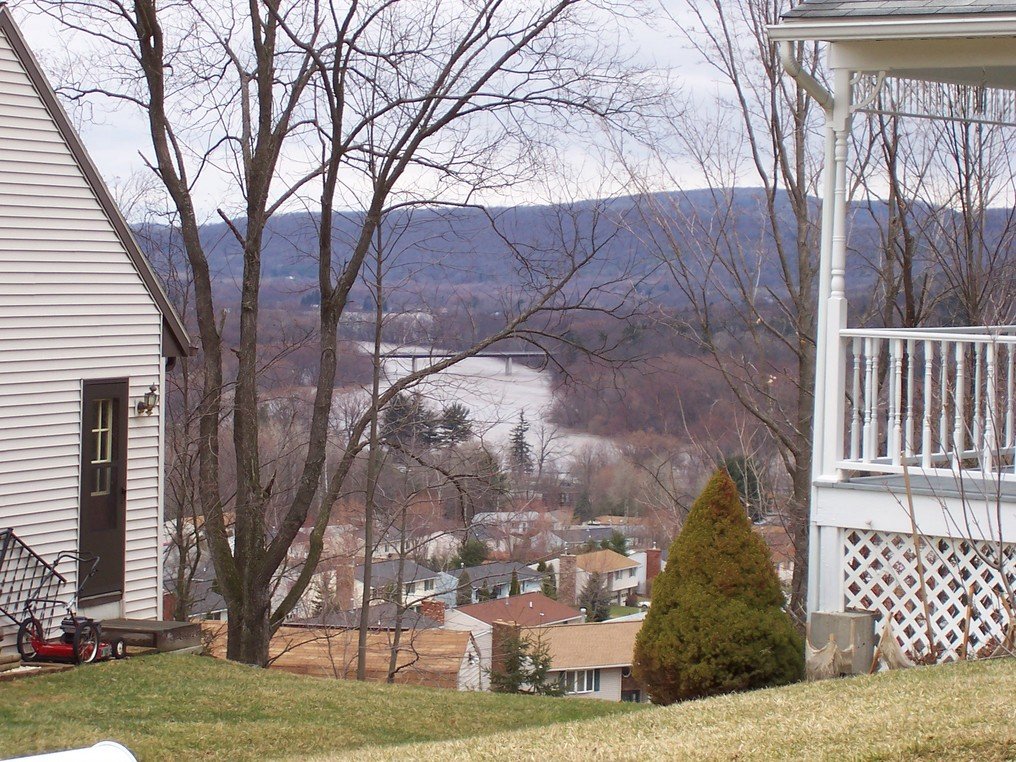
column 104, row 486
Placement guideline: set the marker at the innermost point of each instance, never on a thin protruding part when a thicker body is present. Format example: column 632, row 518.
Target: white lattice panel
column 880, row 574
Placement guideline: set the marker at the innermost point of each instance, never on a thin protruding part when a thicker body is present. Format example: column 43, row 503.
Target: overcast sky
column 115, row 138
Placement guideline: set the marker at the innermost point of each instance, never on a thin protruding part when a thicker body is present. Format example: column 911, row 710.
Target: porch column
column 831, row 443
column 827, row 422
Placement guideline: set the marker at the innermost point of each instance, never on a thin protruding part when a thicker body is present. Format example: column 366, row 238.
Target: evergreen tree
column 549, row 584
column 717, row 624
column 520, row 452
column 616, row 543
column 744, row 473
column 594, row 598
column 471, row 553
column 484, row 594
column 523, row 668
column 464, row 591
column 408, row 424
column 454, row 426
column 513, row 588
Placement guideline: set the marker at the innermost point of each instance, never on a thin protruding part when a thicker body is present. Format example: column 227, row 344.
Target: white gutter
column 104, row 751
column 896, row 28
column 812, row 86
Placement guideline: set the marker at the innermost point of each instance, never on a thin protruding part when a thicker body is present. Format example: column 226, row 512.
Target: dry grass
column 953, row 712
column 192, row 707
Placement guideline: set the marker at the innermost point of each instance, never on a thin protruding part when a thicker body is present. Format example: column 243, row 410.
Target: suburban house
column 430, row 657
column 592, row 660
column 913, row 510
column 619, row 574
column 418, row 582
column 651, row 562
column 528, row 610
column 86, row 336
column 496, row 577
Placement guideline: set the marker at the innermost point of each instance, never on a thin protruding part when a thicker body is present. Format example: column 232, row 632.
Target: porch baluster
column 869, row 395
column 856, row 416
column 894, row 421
column 958, row 406
column 929, row 360
column 908, row 429
column 943, row 399
column 989, row 442
column 1008, row 400
column 977, row 422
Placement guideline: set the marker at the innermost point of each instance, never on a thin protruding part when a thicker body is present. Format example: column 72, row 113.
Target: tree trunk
column 248, row 629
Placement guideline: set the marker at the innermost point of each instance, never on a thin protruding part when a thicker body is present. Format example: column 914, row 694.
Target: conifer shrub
column 716, row 624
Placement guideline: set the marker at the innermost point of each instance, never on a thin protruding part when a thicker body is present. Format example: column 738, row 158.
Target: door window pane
column 102, row 434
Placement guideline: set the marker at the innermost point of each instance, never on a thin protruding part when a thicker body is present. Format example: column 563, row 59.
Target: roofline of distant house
column 939, row 26
column 175, row 341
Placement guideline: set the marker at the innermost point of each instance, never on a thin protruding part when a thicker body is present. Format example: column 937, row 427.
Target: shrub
column 716, row 624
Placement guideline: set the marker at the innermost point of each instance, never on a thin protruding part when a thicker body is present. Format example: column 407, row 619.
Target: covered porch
column 913, row 512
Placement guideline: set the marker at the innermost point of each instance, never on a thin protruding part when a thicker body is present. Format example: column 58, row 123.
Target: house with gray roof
column 418, row 582
column 496, row 577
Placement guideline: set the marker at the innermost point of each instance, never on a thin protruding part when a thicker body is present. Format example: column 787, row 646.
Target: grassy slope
column 165, row 707
column 954, row 712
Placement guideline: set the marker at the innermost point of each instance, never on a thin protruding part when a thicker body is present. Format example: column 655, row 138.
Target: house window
column 580, row 681
column 631, row 573
column 428, row 584
column 410, row 588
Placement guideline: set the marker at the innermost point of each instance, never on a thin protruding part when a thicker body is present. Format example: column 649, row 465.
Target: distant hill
column 437, row 256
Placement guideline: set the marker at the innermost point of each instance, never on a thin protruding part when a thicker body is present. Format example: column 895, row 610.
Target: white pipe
column 104, row 751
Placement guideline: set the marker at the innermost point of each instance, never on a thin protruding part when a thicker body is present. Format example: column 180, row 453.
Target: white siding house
column 914, row 440
column 78, row 305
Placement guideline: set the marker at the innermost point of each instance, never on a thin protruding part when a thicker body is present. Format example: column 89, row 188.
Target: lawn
column 952, row 712
column 616, row 611
column 164, row 707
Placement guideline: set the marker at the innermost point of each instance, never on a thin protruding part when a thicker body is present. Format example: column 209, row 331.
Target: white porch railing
column 940, row 400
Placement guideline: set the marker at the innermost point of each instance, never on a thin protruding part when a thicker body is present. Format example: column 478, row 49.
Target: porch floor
column 975, row 488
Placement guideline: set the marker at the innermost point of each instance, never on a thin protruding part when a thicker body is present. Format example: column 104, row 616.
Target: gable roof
column 383, row 572
column 496, row 573
column 604, row 562
column 868, row 8
column 590, row 645
column 528, row 610
column 175, row 341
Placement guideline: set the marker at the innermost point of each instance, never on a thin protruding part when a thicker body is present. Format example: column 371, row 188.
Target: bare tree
column 747, row 265
column 275, row 100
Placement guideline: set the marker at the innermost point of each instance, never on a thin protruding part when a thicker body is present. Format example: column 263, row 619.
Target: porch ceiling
column 984, row 62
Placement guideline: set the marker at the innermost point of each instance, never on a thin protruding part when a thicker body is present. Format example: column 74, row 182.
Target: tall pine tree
column 520, row 452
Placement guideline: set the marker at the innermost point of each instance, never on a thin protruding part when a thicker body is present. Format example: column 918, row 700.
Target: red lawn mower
column 80, row 640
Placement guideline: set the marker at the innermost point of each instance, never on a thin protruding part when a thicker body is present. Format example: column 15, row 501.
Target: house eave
column 943, row 26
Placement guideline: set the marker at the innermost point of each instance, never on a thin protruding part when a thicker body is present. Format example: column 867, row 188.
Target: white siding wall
column 482, row 633
column 72, row 307
column 610, row 685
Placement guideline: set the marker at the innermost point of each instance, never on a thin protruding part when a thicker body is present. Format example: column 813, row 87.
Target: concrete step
column 151, row 633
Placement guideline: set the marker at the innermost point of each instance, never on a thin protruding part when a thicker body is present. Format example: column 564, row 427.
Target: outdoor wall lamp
column 151, row 399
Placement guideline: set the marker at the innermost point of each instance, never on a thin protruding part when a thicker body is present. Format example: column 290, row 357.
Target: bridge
column 422, row 354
